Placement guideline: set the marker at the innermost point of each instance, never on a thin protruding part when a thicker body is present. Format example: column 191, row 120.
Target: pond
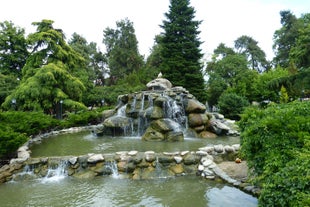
column 108, row 191
column 85, row 142
column 63, row 190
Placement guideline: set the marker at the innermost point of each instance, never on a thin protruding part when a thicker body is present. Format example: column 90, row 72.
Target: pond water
column 110, row 192
column 85, row 142
column 60, row 190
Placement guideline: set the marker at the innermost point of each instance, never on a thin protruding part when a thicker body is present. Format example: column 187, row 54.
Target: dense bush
column 232, row 105
column 10, row 140
column 30, row 123
column 276, row 143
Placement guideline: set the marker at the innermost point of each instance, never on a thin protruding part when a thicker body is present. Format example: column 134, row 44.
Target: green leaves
column 275, row 142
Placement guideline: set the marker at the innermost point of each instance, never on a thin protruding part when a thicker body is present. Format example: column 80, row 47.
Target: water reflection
column 85, row 142
column 179, row 191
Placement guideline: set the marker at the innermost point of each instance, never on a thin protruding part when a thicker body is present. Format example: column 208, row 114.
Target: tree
column 13, row 49
column 255, row 55
column 95, row 60
column 122, row 49
column 285, row 38
column 232, row 105
column 300, row 52
column 49, row 73
column 180, row 48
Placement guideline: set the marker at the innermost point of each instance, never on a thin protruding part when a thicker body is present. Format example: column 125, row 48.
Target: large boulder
column 163, row 130
column 159, row 84
column 194, row 106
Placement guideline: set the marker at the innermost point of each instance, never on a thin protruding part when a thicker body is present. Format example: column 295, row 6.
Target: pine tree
column 180, row 48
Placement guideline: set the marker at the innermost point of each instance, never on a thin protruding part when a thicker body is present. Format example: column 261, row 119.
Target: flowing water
column 84, row 142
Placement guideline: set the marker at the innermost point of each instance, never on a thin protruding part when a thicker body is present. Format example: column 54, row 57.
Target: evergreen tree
column 122, row 49
column 50, row 74
column 180, row 50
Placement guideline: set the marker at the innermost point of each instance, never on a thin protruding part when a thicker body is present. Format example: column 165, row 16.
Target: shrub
column 275, row 142
column 232, row 105
column 10, row 140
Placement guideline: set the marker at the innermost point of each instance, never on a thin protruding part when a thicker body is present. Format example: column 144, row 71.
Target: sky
column 223, row 21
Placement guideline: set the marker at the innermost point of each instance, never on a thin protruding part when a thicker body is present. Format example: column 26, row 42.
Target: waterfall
column 112, row 166
column 56, row 174
column 121, row 111
column 174, row 111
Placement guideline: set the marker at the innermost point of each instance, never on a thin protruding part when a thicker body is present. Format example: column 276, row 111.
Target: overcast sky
column 223, row 20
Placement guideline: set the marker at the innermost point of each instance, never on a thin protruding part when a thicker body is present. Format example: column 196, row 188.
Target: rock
column 218, row 127
column 159, row 84
column 177, row 169
column 95, row 158
column 207, row 134
column 219, row 148
column 152, row 135
column 178, row 159
column 133, row 153
column 208, row 149
column 195, row 119
column 194, row 106
column 229, row 149
column 72, row 160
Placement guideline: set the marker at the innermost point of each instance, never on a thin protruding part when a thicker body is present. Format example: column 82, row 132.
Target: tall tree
column 13, row 49
column 48, row 75
column 180, row 48
column 285, row 38
column 95, row 60
column 255, row 55
column 122, row 49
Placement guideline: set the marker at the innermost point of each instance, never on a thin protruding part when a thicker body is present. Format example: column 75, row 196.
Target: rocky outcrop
column 137, row 114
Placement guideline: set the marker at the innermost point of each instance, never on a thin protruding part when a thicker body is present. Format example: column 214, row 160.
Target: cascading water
column 174, row 111
column 56, row 174
column 112, row 166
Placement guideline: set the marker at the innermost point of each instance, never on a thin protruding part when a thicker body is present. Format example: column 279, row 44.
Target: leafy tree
column 95, row 60
column 264, row 87
column 285, row 38
column 7, row 85
column 232, row 105
column 122, row 49
column 227, row 70
column 255, row 55
column 13, row 49
column 48, row 75
column 300, row 52
column 180, row 48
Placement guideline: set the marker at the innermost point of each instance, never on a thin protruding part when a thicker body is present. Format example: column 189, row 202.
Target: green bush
column 10, row 140
column 30, row 123
column 232, row 105
column 82, row 118
column 275, row 142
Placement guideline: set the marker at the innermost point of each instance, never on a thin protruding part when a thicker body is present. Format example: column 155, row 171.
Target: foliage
column 264, row 87
column 283, row 95
column 82, row 118
column 10, row 140
column 29, row 123
column 7, row 85
column 300, row 52
column 276, row 142
column 50, row 73
column 13, row 49
column 255, row 55
column 232, row 105
column 285, row 38
column 122, row 49
column 180, row 48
